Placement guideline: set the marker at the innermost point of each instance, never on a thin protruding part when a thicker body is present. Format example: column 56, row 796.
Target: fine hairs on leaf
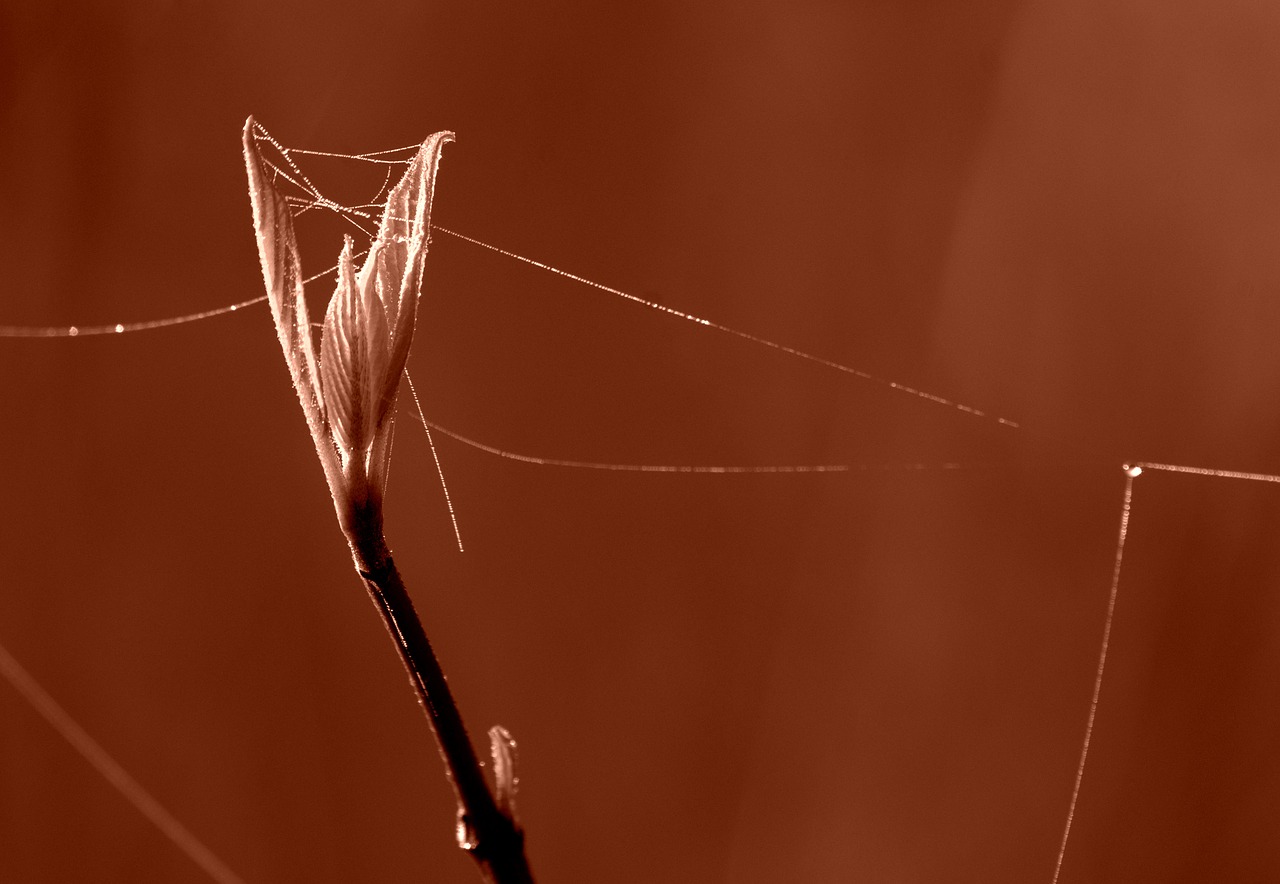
column 348, row 394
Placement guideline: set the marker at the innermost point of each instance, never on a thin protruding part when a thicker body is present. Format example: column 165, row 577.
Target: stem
column 493, row 838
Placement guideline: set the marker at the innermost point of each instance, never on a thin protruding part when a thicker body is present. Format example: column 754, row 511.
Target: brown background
column 1065, row 212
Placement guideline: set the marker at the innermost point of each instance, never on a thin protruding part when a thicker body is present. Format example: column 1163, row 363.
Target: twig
column 493, row 839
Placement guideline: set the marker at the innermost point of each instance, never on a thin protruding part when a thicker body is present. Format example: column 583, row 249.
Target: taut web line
column 101, row 761
column 1130, row 474
column 1204, row 471
column 746, row 336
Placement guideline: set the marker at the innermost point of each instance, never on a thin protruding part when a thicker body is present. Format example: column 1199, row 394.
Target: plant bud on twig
column 348, row 393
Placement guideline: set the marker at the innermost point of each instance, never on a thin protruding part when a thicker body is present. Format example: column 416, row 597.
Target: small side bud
column 502, row 746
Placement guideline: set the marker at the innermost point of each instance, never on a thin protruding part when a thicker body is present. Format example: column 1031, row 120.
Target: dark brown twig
column 493, row 838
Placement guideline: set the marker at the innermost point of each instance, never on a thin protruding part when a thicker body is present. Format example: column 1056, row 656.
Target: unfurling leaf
column 282, row 273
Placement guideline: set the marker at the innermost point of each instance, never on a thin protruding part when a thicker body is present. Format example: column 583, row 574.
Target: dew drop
column 119, row 328
column 1132, row 472
column 73, row 331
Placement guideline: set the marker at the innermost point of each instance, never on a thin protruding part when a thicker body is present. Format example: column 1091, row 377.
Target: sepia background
column 1064, row 213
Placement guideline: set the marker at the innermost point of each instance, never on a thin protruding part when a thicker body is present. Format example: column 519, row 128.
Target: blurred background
column 1061, row 212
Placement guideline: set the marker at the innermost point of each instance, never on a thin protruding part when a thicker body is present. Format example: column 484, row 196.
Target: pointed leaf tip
column 404, row 236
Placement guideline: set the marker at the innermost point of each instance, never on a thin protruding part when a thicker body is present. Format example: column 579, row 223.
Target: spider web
column 360, row 218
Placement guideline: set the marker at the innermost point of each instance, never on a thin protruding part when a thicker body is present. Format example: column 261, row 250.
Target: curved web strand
column 659, row 468
column 120, row 328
